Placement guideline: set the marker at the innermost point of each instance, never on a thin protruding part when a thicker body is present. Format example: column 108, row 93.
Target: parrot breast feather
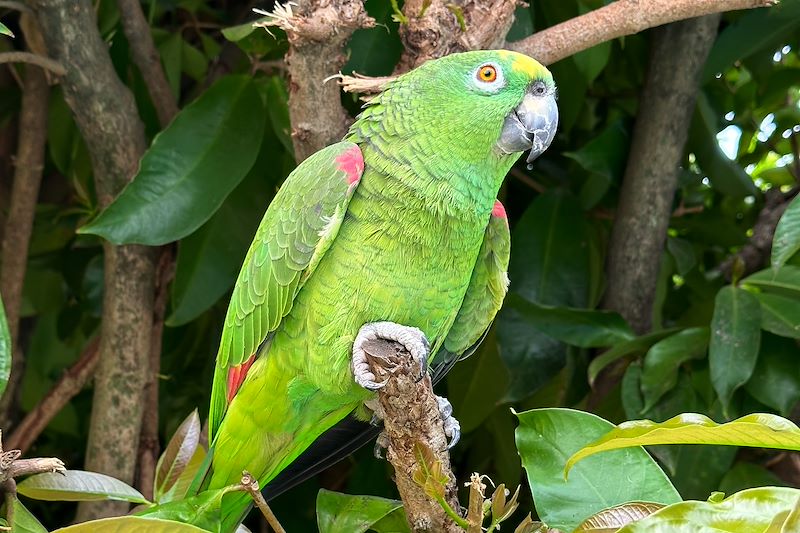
column 300, row 224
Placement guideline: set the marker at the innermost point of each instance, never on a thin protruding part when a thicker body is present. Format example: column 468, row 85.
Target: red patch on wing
column 236, row 376
column 351, row 162
column 498, row 210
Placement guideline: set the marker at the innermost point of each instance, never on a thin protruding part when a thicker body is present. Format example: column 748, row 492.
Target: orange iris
column 487, row 73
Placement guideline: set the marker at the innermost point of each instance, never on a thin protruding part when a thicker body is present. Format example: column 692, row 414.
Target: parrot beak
column 531, row 125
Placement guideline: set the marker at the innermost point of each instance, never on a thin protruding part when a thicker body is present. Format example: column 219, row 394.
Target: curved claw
column 452, row 428
column 412, row 338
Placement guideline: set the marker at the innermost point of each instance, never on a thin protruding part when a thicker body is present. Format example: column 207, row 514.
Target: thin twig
column 527, row 180
column 17, row 6
column 33, row 59
column 70, row 384
column 623, row 17
column 250, row 485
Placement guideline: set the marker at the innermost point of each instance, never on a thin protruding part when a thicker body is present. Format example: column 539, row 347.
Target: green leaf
column 189, row 169
column 780, row 315
column 202, row 510
column 756, row 430
column 171, row 55
column 5, row 348
column 776, row 379
column 131, row 524
column 786, row 242
column 78, row 486
column 765, row 509
column 784, row 281
column 5, row 31
column 586, row 328
column 660, row 367
column 24, row 521
column 176, row 456
column 546, row 437
column 278, row 98
column 550, row 265
column 735, row 337
column 343, row 513
column 746, row 476
column 610, row 520
column 628, row 348
column 604, row 159
column 726, row 176
column 592, row 61
column 475, row 386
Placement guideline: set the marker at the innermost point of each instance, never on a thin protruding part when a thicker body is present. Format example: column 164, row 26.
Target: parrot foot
column 452, row 428
column 411, row 338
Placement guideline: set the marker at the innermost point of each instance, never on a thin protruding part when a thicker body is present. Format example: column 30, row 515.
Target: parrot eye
column 487, row 73
column 488, row 78
column 539, row 88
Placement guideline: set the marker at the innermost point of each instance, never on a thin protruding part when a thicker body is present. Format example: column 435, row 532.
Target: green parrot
column 394, row 232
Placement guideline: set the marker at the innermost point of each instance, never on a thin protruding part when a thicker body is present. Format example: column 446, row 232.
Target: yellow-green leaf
column 5, row 31
column 78, row 486
column 611, row 519
column 757, row 430
column 760, row 510
column 130, row 524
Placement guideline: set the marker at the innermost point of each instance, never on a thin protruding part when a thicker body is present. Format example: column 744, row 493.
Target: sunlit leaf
column 786, row 242
column 179, row 451
column 5, row 31
column 203, row 510
column 343, row 513
column 5, row 349
column 735, row 337
column 756, row 430
column 131, row 524
column 78, row 485
column 24, row 521
column 765, row 509
column 189, row 169
column 546, row 437
column 610, row 520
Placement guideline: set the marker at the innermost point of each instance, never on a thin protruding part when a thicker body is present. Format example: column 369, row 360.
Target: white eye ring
column 488, row 86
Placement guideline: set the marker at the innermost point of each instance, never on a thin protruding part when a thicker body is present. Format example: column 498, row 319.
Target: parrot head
column 475, row 104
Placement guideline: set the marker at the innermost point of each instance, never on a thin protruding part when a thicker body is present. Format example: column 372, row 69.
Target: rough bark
column 29, row 163
column 433, row 28
column 411, row 416
column 106, row 115
column 623, row 17
column 317, row 32
column 678, row 52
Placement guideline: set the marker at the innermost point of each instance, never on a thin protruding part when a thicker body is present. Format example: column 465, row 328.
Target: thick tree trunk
column 106, row 115
column 678, row 52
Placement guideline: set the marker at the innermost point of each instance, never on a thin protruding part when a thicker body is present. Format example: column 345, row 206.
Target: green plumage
column 413, row 241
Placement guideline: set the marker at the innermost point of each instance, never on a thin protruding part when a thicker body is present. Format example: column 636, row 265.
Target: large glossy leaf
column 177, row 455
column 190, row 167
column 210, row 258
column 660, row 366
column 735, row 337
column 131, row 524
column 546, row 437
column 24, row 521
column 5, row 348
column 78, row 485
column 786, row 242
column 762, row 510
column 550, row 265
column 586, row 328
column 784, row 281
column 780, row 315
column 757, row 430
column 343, row 513
column 475, row 386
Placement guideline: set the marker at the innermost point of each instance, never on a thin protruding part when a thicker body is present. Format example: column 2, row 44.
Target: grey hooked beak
column 532, row 125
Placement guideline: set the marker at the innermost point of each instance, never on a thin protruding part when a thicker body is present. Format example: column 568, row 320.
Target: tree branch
column 623, row 17
column 412, row 417
column 106, row 115
column 33, row 59
column 17, row 6
column 146, row 57
column 70, row 384
column 317, row 32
